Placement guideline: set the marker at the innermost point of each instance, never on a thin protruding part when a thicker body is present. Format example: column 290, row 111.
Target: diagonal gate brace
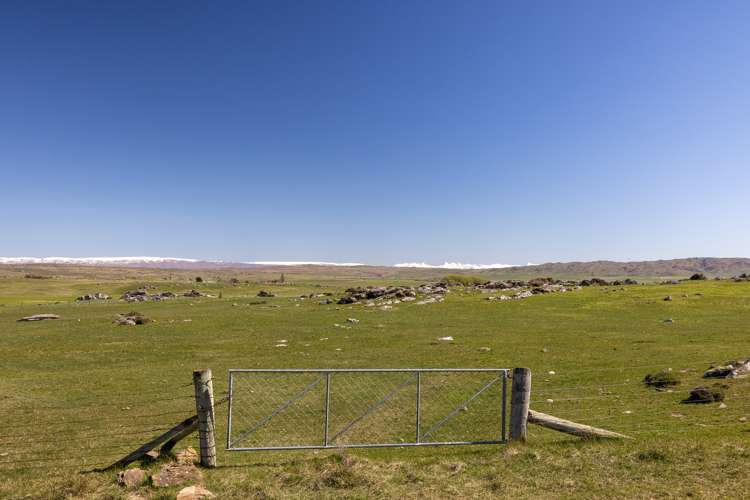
column 458, row 409
column 374, row 406
column 283, row 406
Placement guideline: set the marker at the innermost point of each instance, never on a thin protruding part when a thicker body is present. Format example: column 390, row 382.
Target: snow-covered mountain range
column 179, row 262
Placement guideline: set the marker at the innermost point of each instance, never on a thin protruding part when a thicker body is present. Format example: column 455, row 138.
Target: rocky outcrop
column 131, row 319
column 39, row 317
column 731, row 369
column 393, row 293
column 93, row 296
column 142, row 295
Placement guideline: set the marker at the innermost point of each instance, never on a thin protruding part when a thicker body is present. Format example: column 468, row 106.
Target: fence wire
column 287, row 409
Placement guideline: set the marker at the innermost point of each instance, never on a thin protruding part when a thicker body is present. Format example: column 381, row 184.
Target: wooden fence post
column 204, row 405
column 519, row 403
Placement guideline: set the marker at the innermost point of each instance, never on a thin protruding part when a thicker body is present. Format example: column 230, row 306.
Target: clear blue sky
column 377, row 132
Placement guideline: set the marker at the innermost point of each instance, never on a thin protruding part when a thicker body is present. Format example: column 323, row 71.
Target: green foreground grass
column 81, row 391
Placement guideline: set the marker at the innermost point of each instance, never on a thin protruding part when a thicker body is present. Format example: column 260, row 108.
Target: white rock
column 445, row 338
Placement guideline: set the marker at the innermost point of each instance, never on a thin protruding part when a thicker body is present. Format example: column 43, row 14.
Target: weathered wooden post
column 204, row 405
column 519, row 403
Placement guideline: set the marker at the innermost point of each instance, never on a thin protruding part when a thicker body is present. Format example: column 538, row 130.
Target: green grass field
column 80, row 392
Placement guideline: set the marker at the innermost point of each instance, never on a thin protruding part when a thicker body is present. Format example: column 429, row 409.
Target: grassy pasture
column 81, row 391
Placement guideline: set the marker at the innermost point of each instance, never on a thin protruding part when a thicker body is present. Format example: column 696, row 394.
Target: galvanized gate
column 365, row 408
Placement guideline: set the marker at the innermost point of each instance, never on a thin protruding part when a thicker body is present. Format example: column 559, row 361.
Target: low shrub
column 661, row 379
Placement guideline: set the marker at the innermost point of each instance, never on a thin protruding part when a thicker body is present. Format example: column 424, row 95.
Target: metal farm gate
column 365, row 408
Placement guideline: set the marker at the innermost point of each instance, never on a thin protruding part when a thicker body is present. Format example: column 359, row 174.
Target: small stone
column 484, row 349
column 668, row 298
column 39, row 317
column 352, row 320
column 131, row 478
column 722, row 406
column 550, row 400
column 551, row 372
column 194, row 493
column 446, row 339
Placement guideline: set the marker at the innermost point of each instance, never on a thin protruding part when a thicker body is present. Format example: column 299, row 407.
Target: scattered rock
column 93, row 296
column 194, row 493
column 142, row 295
column 132, row 318
column 352, row 320
column 668, row 298
column 193, row 293
column 131, row 478
column 732, row 369
column 484, row 349
column 40, row 317
column 704, row 395
column 669, row 320
column 446, row 339
column 661, row 379
column 175, row 474
column 402, row 293
column 265, row 293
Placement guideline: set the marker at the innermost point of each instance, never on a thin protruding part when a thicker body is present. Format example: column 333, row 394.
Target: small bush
column 661, row 379
column 198, row 279
column 698, row 277
column 463, row 280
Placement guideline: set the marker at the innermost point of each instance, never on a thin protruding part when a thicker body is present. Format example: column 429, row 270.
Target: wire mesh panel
column 300, row 409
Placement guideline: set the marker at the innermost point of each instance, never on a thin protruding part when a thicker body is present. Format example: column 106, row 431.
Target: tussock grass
column 124, row 383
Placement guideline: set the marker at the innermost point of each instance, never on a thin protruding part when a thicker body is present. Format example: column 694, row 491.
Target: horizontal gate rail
column 282, row 409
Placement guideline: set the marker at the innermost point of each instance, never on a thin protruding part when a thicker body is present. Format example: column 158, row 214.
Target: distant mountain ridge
column 710, row 266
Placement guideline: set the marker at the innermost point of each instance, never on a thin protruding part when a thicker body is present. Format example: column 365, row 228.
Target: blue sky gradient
column 376, row 132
